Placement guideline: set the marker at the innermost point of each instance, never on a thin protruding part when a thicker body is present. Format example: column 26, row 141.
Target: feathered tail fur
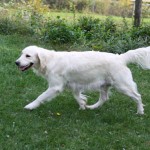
column 139, row 56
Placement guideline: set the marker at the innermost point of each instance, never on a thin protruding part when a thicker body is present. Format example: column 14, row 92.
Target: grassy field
column 70, row 16
column 60, row 125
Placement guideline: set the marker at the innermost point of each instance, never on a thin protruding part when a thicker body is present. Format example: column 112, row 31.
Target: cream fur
column 83, row 71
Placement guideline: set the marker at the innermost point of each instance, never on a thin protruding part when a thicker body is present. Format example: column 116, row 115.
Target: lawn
column 70, row 16
column 60, row 125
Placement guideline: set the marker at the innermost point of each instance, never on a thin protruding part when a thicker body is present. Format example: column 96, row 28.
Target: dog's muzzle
column 23, row 68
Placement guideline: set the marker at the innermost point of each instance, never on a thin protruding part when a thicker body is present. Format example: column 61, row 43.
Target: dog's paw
column 82, row 105
column 140, row 109
column 140, row 112
column 32, row 105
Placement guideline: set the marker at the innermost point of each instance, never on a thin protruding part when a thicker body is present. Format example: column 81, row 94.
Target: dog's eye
column 28, row 56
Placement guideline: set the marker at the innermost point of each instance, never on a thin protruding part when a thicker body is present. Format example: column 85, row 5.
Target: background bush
column 102, row 35
column 10, row 26
column 91, row 33
column 60, row 32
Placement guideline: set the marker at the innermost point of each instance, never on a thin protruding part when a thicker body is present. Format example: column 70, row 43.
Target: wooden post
column 137, row 13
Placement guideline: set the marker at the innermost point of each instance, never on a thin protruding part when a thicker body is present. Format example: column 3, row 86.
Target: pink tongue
column 22, row 68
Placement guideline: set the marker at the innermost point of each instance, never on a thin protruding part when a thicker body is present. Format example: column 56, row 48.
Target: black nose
column 17, row 63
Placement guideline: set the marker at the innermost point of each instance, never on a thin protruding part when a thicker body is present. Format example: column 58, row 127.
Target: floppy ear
column 42, row 60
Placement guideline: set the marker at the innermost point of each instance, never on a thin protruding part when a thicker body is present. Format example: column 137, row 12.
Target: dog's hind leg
column 132, row 92
column 127, row 86
column 103, row 97
column 80, row 98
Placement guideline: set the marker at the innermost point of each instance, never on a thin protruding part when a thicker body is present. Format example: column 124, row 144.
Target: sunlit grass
column 74, row 16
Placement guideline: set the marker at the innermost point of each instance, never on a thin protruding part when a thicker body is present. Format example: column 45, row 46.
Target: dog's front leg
column 50, row 93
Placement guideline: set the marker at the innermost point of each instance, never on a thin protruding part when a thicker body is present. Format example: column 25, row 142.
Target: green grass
column 70, row 16
column 115, row 126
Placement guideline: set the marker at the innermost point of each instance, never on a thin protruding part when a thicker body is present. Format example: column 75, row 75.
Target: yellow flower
column 58, row 114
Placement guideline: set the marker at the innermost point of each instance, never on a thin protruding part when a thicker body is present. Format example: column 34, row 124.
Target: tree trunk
column 137, row 13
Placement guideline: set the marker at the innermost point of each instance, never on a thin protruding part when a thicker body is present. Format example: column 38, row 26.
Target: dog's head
column 29, row 58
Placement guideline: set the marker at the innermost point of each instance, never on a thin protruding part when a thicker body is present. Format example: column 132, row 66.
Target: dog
column 81, row 71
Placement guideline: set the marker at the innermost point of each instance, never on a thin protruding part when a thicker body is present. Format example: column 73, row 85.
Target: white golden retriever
column 84, row 71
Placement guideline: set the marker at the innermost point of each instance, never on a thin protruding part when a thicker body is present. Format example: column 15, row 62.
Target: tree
column 137, row 13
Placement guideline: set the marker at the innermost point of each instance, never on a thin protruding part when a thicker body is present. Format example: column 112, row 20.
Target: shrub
column 123, row 44
column 102, row 35
column 27, row 18
column 59, row 32
column 109, row 25
column 96, row 29
column 120, row 42
column 87, row 25
column 142, row 32
column 10, row 26
column 6, row 27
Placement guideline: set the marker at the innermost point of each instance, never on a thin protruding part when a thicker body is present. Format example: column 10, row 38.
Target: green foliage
column 87, row 25
column 59, row 32
column 6, row 26
column 95, row 29
column 109, row 25
column 10, row 26
column 26, row 19
column 119, row 42
column 142, row 32
column 92, row 33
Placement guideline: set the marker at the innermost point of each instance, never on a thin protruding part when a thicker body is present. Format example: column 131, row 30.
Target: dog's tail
column 139, row 56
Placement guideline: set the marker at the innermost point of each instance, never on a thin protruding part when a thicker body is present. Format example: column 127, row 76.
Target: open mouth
column 23, row 68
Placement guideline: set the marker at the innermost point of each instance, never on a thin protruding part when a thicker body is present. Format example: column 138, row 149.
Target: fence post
column 137, row 13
